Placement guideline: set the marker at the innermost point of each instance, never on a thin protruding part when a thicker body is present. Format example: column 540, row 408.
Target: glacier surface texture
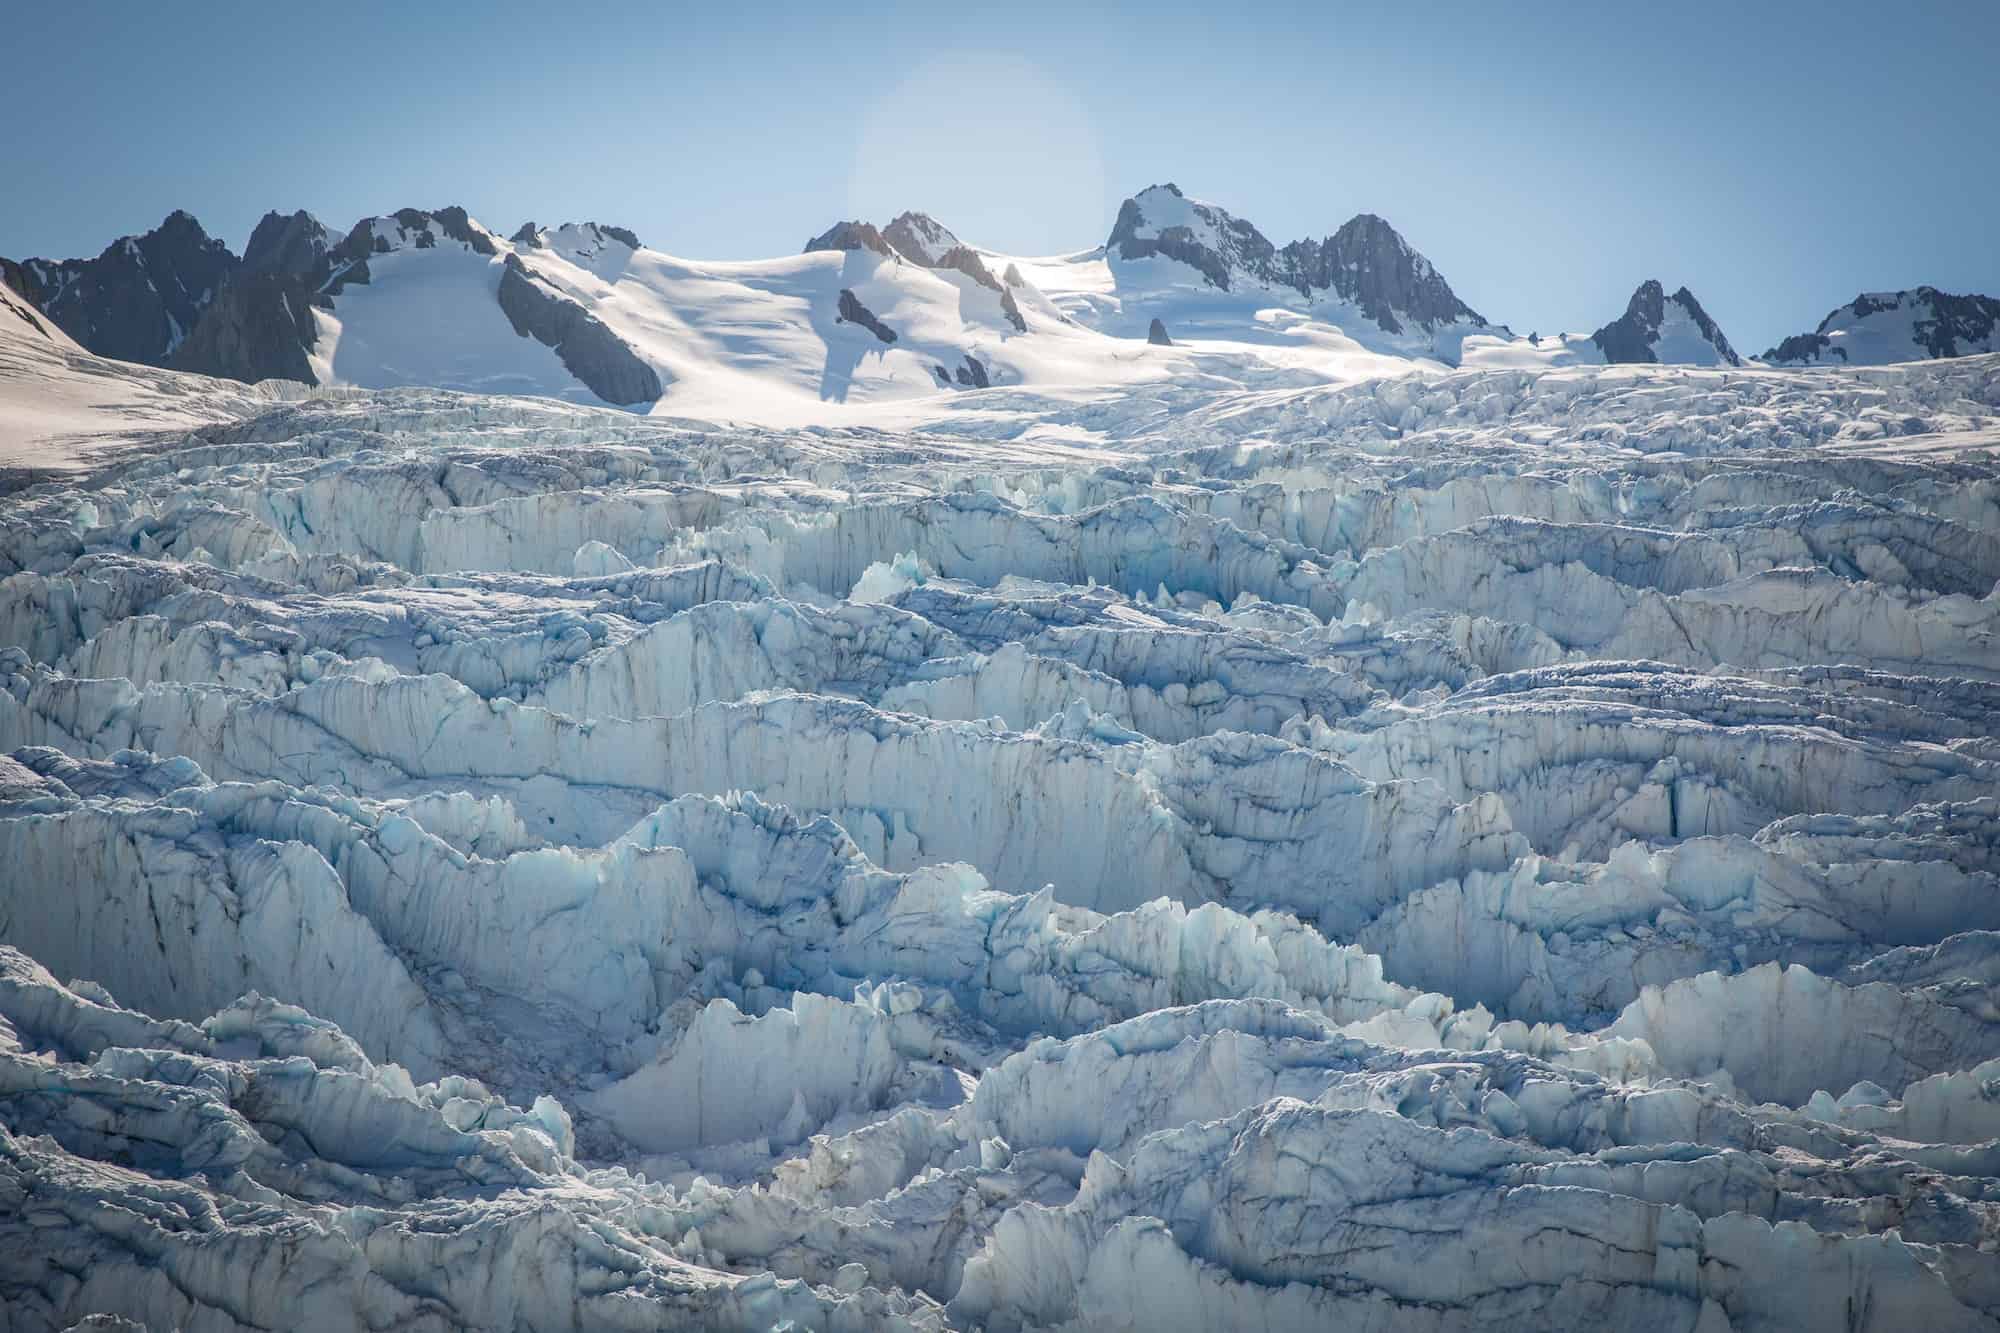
column 1470, row 850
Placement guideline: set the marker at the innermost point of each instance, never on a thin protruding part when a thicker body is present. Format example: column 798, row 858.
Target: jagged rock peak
column 139, row 298
column 1366, row 262
column 1369, row 263
column 260, row 326
column 413, row 228
column 294, row 243
column 1160, row 220
column 1878, row 328
column 850, row 236
column 1657, row 328
column 921, row 239
column 1157, row 334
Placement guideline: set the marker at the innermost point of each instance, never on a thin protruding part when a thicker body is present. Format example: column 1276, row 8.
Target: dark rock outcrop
column 294, row 244
column 1012, row 310
column 261, row 325
column 853, row 312
column 850, row 236
column 1633, row 338
column 140, row 298
column 17, row 302
column 1804, row 349
column 260, row 328
column 589, row 349
column 623, row 235
column 418, row 230
column 921, row 239
column 1226, row 248
column 964, row 259
column 1941, row 324
column 582, row 238
column 457, row 224
column 1157, row 335
column 1366, row 262
column 973, row 374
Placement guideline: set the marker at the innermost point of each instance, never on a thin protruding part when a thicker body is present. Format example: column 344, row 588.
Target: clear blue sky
column 1775, row 157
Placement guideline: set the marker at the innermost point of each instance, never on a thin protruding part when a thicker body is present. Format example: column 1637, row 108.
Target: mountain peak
column 1877, row 328
column 1366, row 262
column 137, row 300
column 180, row 222
column 416, row 229
column 1369, row 263
column 1659, row 328
column 584, row 238
column 287, row 243
column 851, row 235
column 1160, row 221
column 921, row 238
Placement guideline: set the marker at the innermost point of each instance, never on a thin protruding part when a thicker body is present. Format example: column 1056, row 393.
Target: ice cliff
column 1463, row 851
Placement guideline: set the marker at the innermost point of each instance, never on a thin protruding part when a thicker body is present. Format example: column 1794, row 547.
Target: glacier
column 1465, row 849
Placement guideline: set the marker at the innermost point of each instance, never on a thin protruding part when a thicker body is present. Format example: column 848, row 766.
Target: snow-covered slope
column 850, row 322
column 60, row 404
column 1881, row 328
column 1672, row 330
column 419, row 304
column 1486, row 849
column 1656, row 328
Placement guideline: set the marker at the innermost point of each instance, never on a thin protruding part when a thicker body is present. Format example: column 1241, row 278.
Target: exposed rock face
column 927, row 243
column 294, row 244
column 1157, row 335
column 16, row 280
column 1012, row 310
column 964, row 259
column 17, row 301
column 412, row 228
column 591, row 351
column 174, row 297
column 973, row 373
column 261, row 325
column 140, row 298
column 1365, row 262
column 1882, row 327
column 850, row 236
column 921, row 239
column 852, row 311
column 578, row 239
column 1637, row 335
column 623, row 235
column 1160, row 220
column 260, row 328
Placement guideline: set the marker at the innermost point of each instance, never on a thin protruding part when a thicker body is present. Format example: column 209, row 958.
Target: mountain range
column 587, row 312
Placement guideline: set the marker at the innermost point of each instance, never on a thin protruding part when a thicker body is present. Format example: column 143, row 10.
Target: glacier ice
column 1485, row 849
